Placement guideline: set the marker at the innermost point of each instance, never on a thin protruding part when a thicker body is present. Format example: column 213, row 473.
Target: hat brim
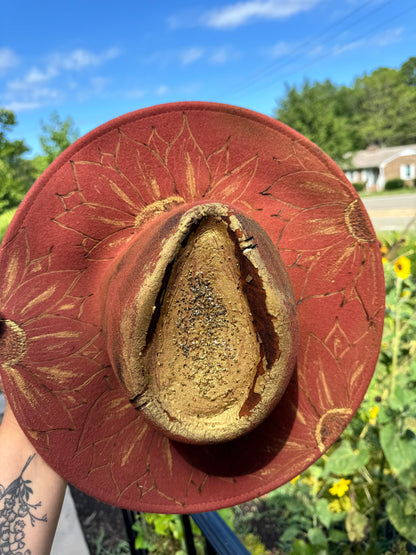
column 90, row 201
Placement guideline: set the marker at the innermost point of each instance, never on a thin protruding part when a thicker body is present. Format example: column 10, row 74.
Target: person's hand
column 31, row 493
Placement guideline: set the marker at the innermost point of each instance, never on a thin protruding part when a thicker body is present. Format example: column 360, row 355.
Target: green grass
column 5, row 219
column 403, row 191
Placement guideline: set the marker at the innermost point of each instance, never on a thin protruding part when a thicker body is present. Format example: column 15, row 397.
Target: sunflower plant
column 361, row 495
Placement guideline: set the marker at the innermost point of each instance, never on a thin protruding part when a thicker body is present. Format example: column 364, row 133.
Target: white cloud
column 317, row 51
column 341, row 48
column 240, row 13
column 60, row 63
column 389, row 37
column 8, row 59
column 79, row 58
column 135, row 93
column 190, row 89
column 191, row 55
column 379, row 40
column 29, row 100
column 35, row 76
column 221, row 56
column 32, row 90
column 280, row 49
column 18, row 106
column 162, row 90
column 98, row 84
column 184, row 19
column 216, row 56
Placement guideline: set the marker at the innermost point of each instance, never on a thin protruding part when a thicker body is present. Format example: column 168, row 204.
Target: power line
column 369, row 32
column 310, row 42
column 271, row 70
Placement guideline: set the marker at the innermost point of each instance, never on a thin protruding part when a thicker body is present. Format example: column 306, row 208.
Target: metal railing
column 219, row 538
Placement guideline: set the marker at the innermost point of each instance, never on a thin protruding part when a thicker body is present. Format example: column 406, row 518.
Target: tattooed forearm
column 16, row 512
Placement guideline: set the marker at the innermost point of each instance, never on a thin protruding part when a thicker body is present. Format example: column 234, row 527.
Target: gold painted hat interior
column 214, row 331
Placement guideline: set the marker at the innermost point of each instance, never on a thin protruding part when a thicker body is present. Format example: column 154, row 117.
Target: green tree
column 379, row 108
column 16, row 172
column 385, row 108
column 57, row 135
column 315, row 110
column 408, row 71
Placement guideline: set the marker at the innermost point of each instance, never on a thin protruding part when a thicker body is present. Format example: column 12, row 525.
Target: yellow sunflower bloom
column 402, row 267
column 384, row 251
column 374, row 412
column 340, row 488
column 340, row 505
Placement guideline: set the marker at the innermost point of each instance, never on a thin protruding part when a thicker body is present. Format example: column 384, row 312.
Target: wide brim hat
column 140, row 274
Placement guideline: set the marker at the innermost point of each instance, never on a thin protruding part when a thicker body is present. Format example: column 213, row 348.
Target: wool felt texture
column 59, row 251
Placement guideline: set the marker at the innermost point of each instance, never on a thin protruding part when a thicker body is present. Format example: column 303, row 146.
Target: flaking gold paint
column 205, row 348
column 330, row 426
column 156, row 208
column 192, row 358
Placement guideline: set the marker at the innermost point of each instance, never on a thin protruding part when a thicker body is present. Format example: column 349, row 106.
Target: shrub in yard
column 359, row 186
column 393, row 184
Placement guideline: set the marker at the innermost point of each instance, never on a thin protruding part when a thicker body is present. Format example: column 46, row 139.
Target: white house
column 376, row 165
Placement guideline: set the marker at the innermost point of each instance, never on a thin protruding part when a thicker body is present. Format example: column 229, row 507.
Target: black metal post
column 219, row 534
column 188, row 535
column 129, row 518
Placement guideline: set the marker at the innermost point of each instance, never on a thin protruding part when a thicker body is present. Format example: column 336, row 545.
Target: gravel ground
column 102, row 524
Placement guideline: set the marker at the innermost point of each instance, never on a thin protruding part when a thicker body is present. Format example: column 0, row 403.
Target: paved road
column 392, row 212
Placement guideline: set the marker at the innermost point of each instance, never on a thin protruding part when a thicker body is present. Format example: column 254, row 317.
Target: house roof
column 374, row 157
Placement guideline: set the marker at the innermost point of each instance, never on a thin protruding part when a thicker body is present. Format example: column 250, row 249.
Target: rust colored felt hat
column 191, row 308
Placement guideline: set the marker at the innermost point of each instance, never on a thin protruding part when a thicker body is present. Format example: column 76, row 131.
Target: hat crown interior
column 207, row 335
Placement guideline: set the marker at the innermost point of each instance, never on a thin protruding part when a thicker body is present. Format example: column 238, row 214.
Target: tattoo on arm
column 15, row 512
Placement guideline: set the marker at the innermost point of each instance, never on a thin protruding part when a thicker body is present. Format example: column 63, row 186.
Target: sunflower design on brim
column 131, row 184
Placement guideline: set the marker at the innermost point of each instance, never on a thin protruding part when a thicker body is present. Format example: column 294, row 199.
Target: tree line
column 17, row 171
column 378, row 109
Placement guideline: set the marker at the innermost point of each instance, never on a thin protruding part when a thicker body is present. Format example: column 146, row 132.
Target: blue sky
column 97, row 60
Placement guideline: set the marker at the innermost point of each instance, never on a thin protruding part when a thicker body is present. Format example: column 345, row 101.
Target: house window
column 407, row 171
